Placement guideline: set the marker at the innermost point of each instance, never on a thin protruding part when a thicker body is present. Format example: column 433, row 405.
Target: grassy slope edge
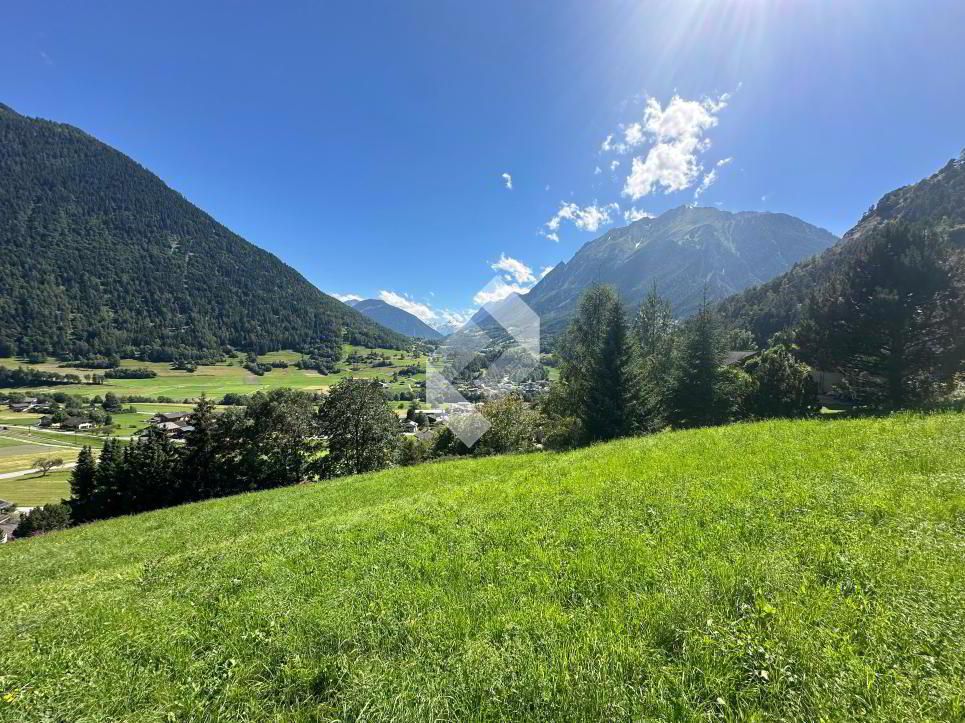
column 799, row 570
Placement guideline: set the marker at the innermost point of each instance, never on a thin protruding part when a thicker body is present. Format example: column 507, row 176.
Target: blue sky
column 365, row 143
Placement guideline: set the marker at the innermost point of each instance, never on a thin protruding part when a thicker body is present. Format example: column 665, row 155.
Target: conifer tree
column 106, row 497
column 82, row 485
column 697, row 394
column 655, row 332
column 598, row 373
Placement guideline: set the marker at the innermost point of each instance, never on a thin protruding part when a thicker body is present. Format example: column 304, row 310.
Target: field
column 220, row 379
column 33, row 490
column 785, row 570
column 214, row 381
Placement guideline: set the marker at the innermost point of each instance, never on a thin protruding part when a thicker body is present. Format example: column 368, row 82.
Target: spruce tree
column 598, row 373
column 697, row 394
column 82, row 485
column 201, row 471
column 655, row 333
column 105, row 501
column 149, row 470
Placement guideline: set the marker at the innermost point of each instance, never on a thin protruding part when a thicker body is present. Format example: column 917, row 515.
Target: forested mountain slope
column 937, row 202
column 100, row 256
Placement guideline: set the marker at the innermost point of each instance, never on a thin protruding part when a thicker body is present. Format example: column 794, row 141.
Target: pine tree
column 201, row 472
column 82, row 485
column 105, row 501
column 598, row 371
column 697, row 397
column 655, row 332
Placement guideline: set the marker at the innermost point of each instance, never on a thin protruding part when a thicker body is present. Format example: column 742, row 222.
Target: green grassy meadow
column 217, row 380
column 782, row 570
column 33, row 490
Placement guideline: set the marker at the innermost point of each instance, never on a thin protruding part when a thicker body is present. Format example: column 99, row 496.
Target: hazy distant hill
column 392, row 317
column 687, row 252
column 936, row 202
column 100, row 256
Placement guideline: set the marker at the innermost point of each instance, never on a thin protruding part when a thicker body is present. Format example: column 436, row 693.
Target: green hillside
column 101, row 257
column 937, row 202
column 793, row 570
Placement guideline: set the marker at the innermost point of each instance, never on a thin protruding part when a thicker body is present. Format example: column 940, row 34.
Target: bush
column 43, row 519
column 783, row 386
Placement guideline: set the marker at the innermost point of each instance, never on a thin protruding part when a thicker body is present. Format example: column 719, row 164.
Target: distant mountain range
column 687, row 252
column 101, row 257
column 937, row 202
column 394, row 318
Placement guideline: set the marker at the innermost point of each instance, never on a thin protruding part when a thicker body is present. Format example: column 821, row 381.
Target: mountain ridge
column 687, row 251
column 396, row 319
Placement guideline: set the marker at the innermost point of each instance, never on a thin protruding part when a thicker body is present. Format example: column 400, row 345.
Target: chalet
column 827, row 382
column 22, row 406
column 435, row 416
column 173, row 417
column 9, row 520
column 736, row 358
column 409, row 426
column 76, row 424
column 174, row 429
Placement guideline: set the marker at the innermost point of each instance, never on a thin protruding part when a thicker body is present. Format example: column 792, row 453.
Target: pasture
column 230, row 377
column 807, row 570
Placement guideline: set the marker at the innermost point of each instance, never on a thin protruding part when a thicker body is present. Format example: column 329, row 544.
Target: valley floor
column 795, row 570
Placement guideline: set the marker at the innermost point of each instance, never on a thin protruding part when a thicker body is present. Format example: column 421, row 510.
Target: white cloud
column 677, row 134
column 614, row 165
column 588, row 218
column 708, row 181
column 545, row 270
column 497, row 290
column 445, row 320
column 671, row 165
column 711, row 177
column 514, row 269
column 633, row 135
column 400, row 301
column 632, row 214
column 451, row 320
column 346, row 297
column 682, row 118
column 508, row 179
column 597, row 171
